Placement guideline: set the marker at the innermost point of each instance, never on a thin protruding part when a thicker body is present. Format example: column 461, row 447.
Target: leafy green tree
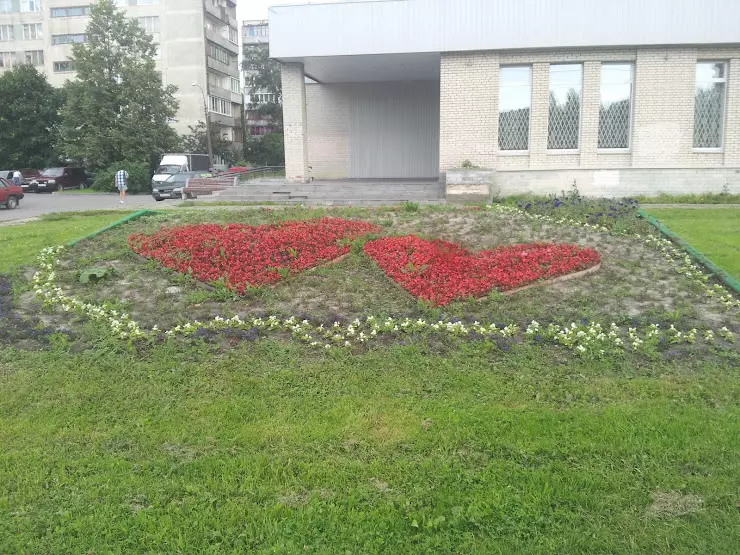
column 29, row 116
column 196, row 142
column 266, row 151
column 117, row 108
column 263, row 76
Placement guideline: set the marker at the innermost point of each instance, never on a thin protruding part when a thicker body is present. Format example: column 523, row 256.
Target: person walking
column 122, row 184
column 17, row 177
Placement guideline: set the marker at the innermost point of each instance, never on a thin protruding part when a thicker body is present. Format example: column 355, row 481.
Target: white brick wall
column 294, row 122
column 663, row 110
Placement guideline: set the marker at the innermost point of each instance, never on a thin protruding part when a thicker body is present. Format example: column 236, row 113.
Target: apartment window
column 35, row 57
column 216, row 81
column 257, row 30
column 32, row 31
column 61, row 67
column 30, row 5
column 515, row 103
column 6, row 33
column 7, row 59
column 219, row 54
column 149, row 24
column 566, row 87
column 68, row 39
column 6, row 6
column 615, row 111
column 233, row 35
column 709, row 108
column 220, row 105
column 75, row 11
column 235, row 86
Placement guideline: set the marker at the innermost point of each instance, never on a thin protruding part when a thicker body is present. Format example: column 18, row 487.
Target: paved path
column 33, row 205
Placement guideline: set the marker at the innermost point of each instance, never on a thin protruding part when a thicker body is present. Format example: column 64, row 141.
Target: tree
column 29, row 116
column 118, row 108
column 196, row 142
column 263, row 76
column 266, row 151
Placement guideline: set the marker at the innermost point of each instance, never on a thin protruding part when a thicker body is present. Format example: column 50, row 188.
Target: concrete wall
column 662, row 131
column 328, row 113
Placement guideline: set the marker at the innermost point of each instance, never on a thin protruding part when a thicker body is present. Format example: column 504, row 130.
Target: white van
column 178, row 163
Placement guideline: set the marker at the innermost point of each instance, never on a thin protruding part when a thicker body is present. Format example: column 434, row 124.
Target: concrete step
column 323, row 202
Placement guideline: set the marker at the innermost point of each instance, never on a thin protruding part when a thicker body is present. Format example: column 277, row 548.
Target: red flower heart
column 247, row 256
column 442, row 272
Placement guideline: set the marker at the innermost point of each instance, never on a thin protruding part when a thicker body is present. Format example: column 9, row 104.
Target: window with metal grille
column 615, row 111
column 35, row 57
column 32, row 31
column 566, row 87
column 709, row 108
column 515, row 104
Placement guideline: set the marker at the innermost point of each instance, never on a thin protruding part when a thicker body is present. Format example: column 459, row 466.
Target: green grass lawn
column 713, row 231
column 22, row 243
column 268, row 446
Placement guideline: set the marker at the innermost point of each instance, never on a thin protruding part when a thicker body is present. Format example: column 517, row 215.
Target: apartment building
column 198, row 43
column 622, row 97
column 256, row 33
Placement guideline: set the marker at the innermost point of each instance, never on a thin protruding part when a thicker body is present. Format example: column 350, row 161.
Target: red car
column 10, row 195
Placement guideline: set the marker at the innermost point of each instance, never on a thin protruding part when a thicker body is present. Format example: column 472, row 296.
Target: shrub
column 139, row 178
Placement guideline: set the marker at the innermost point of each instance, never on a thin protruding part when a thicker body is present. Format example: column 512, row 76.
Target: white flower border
column 589, row 339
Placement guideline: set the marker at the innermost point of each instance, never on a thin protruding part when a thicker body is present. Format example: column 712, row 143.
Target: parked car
column 29, row 174
column 7, row 174
column 173, row 185
column 10, row 195
column 58, row 179
column 172, row 164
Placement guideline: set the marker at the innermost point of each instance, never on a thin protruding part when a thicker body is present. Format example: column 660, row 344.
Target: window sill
column 513, row 153
column 563, row 152
column 709, row 150
column 613, row 151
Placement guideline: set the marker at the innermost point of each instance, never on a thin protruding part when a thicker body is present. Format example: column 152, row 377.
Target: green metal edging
column 129, row 218
column 726, row 278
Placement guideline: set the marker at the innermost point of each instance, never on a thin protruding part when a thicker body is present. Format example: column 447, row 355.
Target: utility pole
column 208, row 130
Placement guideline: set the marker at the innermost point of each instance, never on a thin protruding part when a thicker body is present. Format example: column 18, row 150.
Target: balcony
column 217, row 38
column 227, row 69
column 219, row 13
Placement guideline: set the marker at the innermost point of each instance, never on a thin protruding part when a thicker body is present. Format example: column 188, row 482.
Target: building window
column 7, row 59
column 216, row 81
column 566, row 87
column 615, row 111
column 233, row 37
column 75, row 11
column 218, row 53
column 220, row 105
column 6, row 6
column 32, row 31
column 30, row 5
column 61, row 67
column 709, row 108
column 68, row 39
column 515, row 103
column 6, row 33
column 235, row 86
column 149, row 24
column 35, row 57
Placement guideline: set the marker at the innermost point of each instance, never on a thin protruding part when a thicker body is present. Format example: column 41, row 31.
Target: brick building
column 624, row 97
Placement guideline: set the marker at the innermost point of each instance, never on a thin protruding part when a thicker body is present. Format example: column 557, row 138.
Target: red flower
column 442, row 272
column 246, row 256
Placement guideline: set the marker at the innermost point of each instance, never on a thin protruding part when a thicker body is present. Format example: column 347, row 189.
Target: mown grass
column 705, row 198
column 714, row 232
column 22, row 243
column 272, row 449
column 269, row 447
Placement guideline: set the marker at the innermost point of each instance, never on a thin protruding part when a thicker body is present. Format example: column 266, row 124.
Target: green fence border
column 129, row 218
column 726, row 278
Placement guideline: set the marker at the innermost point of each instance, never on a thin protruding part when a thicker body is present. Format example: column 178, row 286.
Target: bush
column 139, row 178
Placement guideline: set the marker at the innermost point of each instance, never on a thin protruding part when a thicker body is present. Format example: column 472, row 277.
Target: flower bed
column 442, row 272
column 243, row 256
